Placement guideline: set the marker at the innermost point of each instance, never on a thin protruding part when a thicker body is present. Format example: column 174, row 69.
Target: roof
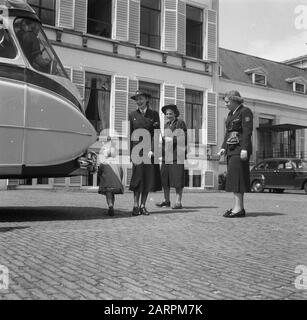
column 234, row 64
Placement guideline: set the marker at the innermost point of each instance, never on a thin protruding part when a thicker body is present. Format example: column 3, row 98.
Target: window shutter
column 169, row 94
column 69, row 72
column 180, row 101
column 211, row 118
column 81, row 15
column 211, row 35
column 170, row 25
column 209, row 179
column 133, row 86
column 120, row 105
column 181, row 27
column 60, row 181
column 134, row 21
column 121, row 29
column 75, row 181
column 66, row 14
column 78, row 78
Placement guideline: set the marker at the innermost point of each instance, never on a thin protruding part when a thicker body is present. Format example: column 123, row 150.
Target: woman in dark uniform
column 237, row 146
column 173, row 156
column 145, row 174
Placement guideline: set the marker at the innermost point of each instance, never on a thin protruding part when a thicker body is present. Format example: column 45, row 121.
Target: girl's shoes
column 111, row 212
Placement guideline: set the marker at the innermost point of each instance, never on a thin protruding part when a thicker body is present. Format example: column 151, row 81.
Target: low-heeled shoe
column 227, row 213
column 163, row 204
column 144, row 211
column 135, row 211
column 177, row 206
column 239, row 214
column 111, row 212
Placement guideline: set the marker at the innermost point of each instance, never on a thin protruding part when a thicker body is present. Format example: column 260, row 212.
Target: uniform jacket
column 169, row 129
column 242, row 122
column 150, row 121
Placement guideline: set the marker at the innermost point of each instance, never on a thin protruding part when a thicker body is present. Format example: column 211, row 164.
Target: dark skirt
column 172, row 175
column 237, row 179
column 110, row 179
column 145, row 178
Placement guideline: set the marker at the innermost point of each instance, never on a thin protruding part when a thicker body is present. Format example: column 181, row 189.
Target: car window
column 260, row 166
column 7, row 47
column 289, row 165
column 271, row 165
column 281, row 165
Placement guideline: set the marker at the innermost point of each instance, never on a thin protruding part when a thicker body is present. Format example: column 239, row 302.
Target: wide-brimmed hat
column 172, row 107
column 233, row 95
column 140, row 93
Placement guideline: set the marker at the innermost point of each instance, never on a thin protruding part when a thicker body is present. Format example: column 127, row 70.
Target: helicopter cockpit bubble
column 36, row 47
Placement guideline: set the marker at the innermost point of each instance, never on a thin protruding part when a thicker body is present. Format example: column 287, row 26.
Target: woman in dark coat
column 145, row 173
column 237, row 146
column 173, row 156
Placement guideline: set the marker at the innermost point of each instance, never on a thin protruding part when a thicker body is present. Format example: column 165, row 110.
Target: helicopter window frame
column 8, row 49
column 46, row 50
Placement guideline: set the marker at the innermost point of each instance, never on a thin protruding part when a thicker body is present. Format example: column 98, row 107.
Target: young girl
column 110, row 174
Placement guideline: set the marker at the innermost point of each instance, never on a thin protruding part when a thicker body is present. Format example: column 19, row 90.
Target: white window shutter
column 69, row 72
column 211, row 35
column 78, row 78
column 169, row 94
column 134, row 21
column 181, row 27
column 81, row 15
column 180, row 101
column 170, row 25
column 133, row 86
column 211, row 116
column 66, row 14
column 120, row 105
column 121, row 30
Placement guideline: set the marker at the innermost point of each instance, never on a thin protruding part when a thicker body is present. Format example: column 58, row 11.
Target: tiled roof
column 234, row 64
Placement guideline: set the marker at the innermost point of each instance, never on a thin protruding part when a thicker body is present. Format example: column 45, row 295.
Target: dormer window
column 259, row 76
column 299, row 87
column 259, row 79
column 298, row 84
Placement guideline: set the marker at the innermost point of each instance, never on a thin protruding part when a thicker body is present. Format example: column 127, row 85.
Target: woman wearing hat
column 237, row 146
column 173, row 156
column 145, row 174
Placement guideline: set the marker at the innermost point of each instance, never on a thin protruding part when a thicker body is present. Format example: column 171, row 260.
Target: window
column 194, row 32
column 7, row 48
column 260, row 166
column 37, row 48
column 150, row 23
column 259, row 79
column 45, row 9
column 97, row 100
column 194, row 113
column 154, row 90
column 99, row 17
column 299, row 87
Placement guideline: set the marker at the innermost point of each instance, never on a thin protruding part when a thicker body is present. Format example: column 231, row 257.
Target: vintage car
column 278, row 174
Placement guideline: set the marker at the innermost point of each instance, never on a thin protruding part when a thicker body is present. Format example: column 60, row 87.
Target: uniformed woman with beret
column 237, row 146
column 146, row 175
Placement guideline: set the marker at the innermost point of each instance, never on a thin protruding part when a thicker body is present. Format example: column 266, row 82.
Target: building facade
column 111, row 48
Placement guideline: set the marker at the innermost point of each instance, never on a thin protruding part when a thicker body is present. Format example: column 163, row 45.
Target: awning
column 281, row 127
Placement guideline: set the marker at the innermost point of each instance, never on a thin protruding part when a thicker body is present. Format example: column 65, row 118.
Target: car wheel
column 279, row 190
column 257, row 186
column 305, row 186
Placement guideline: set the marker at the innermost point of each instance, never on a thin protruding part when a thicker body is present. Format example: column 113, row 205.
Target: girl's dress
column 110, row 172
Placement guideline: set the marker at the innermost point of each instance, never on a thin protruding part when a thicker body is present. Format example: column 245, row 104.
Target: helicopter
column 43, row 128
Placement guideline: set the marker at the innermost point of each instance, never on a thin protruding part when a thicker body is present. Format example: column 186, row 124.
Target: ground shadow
column 9, row 229
column 170, row 210
column 21, row 214
column 264, row 214
column 200, row 207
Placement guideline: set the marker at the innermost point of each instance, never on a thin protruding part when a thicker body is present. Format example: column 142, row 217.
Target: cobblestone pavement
column 63, row 245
